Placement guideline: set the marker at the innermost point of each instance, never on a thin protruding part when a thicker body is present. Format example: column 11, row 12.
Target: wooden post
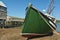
column 3, row 24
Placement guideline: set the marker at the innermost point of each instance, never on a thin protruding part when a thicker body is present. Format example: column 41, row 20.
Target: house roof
column 2, row 4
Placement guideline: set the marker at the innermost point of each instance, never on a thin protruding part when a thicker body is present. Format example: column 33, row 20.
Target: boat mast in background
column 51, row 7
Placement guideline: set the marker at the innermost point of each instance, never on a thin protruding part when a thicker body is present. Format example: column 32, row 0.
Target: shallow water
column 58, row 26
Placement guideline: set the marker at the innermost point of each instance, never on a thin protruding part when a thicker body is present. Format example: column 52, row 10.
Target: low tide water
column 58, row 27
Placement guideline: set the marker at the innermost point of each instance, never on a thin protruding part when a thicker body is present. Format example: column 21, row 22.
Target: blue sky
column 17, row 7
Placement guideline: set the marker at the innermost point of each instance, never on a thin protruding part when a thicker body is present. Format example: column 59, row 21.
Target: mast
column 51, row 7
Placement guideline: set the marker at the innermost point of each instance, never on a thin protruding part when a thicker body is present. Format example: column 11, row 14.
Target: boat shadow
column 50, row 34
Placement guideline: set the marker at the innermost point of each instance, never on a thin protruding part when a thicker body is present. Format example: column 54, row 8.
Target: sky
column 17, row 7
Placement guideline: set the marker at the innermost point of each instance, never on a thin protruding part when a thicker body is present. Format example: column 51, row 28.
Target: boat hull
column 36, row 23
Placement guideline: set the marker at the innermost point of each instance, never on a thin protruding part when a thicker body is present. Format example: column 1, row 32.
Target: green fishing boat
column 37, row 23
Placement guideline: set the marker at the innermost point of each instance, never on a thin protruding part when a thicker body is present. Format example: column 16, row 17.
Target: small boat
column 37, row 23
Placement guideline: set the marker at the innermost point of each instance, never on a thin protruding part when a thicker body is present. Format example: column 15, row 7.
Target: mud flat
column 14, row 34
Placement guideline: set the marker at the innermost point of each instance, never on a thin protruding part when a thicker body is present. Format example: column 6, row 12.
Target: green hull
column 35, row 23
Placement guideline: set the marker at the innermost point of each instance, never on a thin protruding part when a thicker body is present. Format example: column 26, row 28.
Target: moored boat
column 37, row 23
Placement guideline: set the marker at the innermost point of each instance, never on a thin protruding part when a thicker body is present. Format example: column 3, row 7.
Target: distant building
column 3, row 14
column 11, row 18
column 14, row 21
